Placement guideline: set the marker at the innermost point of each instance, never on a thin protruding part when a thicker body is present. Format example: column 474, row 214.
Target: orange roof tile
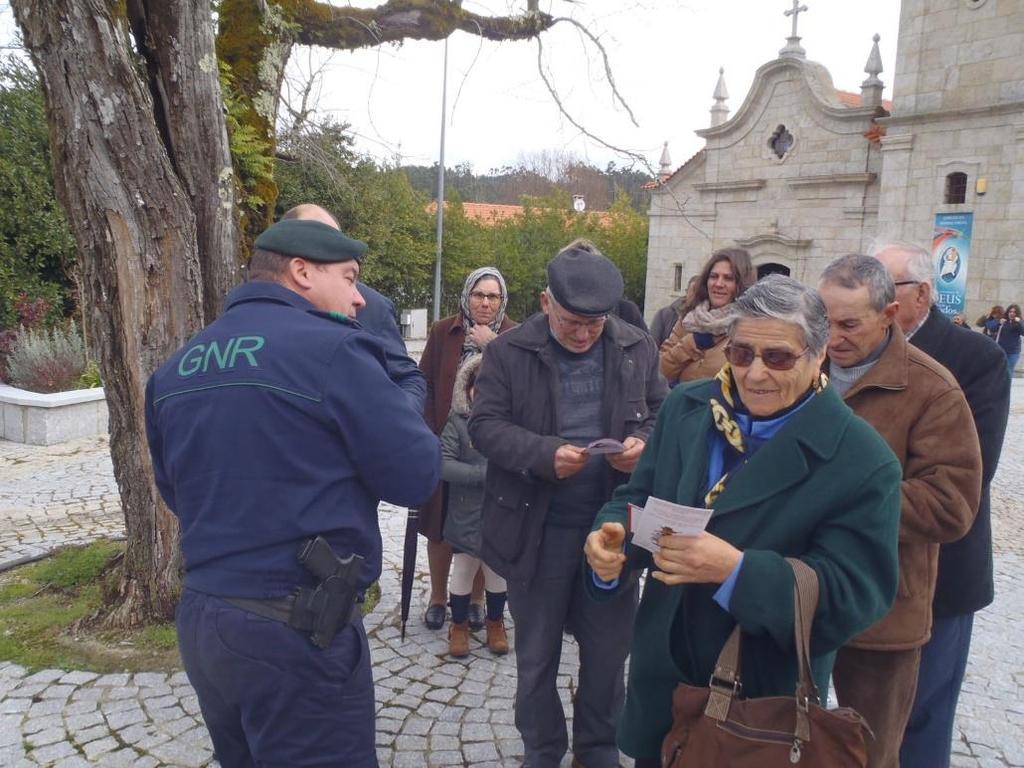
column 655, row 183
column 851, row 99
column 490, row 214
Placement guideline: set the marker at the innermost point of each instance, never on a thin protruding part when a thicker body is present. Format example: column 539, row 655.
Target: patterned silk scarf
column 723, row 416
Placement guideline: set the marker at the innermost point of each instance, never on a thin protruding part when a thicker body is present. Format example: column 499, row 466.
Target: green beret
column 310, row 240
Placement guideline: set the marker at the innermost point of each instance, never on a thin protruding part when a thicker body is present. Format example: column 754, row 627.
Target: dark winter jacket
column 378, row 317
column 665, row 320
column 463, row 467
column 514, row 424
column 965, row 567
column 1008, row 336
column 275, row 423
column 440, row 363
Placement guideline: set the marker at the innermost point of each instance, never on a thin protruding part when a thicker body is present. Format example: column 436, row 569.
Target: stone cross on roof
column 793, row 41
column 795, row 12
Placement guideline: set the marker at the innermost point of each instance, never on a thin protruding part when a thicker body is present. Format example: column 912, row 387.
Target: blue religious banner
column 951, row 249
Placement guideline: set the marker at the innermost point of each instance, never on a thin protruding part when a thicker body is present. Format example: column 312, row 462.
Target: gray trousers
column 553, row 600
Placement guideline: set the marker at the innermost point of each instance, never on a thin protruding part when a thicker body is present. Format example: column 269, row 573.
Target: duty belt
column 283, row 609
column 324, row 609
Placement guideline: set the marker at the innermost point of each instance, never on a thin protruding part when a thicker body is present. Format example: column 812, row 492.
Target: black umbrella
column 412, row 525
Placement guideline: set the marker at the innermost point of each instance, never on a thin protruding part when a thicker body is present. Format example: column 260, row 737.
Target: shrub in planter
column 47, row 361
column 6, row 345
column 90, row 378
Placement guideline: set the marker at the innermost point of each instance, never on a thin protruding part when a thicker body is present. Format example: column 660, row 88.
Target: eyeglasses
column 591, row 325
column 775, row 359
column 898, row 283
column 481, row 296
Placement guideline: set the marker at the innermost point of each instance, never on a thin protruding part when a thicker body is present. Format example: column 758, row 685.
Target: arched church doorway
column 771, row 268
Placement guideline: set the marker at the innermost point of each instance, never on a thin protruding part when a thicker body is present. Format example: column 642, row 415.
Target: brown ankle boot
column 497, row 640
column 458, row 640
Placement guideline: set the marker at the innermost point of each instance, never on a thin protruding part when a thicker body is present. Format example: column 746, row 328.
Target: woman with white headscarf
column 480, row 318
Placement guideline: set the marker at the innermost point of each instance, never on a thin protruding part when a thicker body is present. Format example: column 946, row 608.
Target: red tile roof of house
column 490, row 214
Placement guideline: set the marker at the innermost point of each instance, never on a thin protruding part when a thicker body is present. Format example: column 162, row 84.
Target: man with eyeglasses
column 920, row 411
column 571, row 374
column 964, row 583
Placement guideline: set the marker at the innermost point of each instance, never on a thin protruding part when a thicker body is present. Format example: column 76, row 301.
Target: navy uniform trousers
column 271, row 698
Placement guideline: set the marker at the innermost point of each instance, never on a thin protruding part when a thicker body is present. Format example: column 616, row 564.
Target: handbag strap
column 725, row 681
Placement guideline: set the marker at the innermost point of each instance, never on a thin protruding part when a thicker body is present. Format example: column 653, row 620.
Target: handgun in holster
column 327, row 607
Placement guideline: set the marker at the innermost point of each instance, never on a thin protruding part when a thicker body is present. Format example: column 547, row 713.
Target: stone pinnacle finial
column 721, row 94
column 871, row 88
column 665, row 169
column 874, row 65
column 792, row 47
column 719, row 111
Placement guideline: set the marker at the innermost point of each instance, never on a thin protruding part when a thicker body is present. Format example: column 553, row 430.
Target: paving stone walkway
column 432, row 711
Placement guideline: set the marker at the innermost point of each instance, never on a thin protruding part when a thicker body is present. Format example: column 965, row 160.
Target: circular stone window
column 974, row 4
column 781, row 142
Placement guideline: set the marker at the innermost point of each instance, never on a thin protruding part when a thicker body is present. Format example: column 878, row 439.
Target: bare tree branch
column 349, row 28
column 635, row 156
column 308, row 87
column 465, row 77
column 607, row 64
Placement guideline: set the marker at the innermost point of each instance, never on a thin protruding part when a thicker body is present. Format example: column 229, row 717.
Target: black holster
column 328, row 606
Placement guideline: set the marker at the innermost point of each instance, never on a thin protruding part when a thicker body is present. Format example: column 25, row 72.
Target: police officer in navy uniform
column 274, row 433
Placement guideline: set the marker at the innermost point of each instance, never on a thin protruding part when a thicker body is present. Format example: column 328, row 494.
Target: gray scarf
column 703, row 319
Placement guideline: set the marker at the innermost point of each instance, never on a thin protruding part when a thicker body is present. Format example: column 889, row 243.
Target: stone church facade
column 958, row 92
column 803, row 173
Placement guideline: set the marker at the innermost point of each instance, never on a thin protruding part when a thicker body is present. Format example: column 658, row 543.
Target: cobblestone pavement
column 432, row 711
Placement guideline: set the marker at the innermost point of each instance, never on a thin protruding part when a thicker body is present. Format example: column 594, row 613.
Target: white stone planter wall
column 28, row 417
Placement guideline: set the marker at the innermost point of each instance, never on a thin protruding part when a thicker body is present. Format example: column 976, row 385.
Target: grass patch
column 75, row 566
column 41, row 602
column 372, row 598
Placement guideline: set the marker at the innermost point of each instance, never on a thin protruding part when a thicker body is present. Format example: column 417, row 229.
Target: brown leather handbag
column 713, row 726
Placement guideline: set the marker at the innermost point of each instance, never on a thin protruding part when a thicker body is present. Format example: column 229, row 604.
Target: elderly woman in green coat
column 789, row 471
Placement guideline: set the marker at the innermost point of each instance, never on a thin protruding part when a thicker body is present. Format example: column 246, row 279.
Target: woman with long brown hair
column 695, row 349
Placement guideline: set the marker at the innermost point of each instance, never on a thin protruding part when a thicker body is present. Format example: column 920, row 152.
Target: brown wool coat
column 680, row 359
column 920, row 411
column 440, row 363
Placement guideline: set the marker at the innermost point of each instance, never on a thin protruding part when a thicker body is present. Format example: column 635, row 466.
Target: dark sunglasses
column 776, row 359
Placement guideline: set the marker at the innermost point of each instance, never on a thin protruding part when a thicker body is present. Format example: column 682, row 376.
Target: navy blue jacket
column 275, row 423
column 378, row 317
column 965, row 582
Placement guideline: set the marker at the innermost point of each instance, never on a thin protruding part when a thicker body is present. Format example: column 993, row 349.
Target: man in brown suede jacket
column 920, row 411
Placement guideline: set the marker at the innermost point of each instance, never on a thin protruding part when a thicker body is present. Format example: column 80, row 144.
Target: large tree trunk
column 176, row 39
column 136, row 233
column 141, row 165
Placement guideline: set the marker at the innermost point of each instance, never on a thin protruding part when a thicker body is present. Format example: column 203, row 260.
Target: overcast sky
column 664, row 54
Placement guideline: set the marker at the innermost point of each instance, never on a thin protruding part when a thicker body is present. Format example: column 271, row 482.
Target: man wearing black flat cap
column 276, row 431
column 570, row 375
